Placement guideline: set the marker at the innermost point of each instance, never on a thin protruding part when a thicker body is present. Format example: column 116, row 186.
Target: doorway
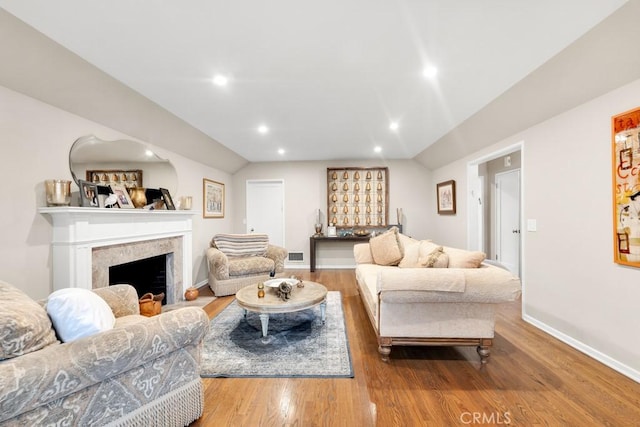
column 486, row 221
column 265, row 209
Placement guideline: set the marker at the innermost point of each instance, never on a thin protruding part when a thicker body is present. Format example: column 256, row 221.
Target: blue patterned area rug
column 297, row 345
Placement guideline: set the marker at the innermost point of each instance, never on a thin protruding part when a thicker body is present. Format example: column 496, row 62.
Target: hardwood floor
column 531, row 379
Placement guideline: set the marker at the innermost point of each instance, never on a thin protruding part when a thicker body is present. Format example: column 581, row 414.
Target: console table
column 314, row 240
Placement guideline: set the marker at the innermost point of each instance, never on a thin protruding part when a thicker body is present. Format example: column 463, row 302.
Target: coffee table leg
column 323, row 311
column 264, row 320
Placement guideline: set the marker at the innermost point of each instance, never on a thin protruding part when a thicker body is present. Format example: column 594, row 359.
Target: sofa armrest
column 218, row 263
column 278, row 255
column 60, row 370
column 122, row 299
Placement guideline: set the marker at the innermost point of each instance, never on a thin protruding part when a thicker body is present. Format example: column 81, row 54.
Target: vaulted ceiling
column 326, row 79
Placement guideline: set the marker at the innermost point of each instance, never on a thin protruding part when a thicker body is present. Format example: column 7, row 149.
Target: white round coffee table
column 304, row 298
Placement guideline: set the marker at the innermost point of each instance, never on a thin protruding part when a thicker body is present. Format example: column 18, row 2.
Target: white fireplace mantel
column 76, row 231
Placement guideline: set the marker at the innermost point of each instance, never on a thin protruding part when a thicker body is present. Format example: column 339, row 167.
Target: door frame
column 472, row 173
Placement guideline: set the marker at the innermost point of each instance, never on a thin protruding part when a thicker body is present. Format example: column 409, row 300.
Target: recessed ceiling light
column 377, row 149
column 281, row 151
column 394, row 125
column 148, row 153
column 220, row 80
column 430, row 72
column 263, row 129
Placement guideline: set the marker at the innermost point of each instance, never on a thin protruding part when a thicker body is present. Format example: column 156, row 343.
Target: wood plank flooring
column 531, row 379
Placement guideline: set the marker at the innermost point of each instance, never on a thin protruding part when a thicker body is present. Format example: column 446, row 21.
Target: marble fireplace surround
column 87, row 241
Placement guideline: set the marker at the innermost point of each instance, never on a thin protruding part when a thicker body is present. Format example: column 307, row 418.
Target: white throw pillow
column 78, row 313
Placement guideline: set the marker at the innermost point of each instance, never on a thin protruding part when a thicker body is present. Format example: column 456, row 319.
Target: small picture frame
column 446, row 195
column 124, row 201
column 212, row 199
column 88, row 194
column 331, row 231
column 168, row 201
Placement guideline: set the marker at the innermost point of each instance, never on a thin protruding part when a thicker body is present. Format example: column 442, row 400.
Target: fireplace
column 105, row 258
column 146, row 275
column 87, row 241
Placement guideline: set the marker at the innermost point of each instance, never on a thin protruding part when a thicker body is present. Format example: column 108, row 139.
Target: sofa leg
column 384, row 348
column 484, row 352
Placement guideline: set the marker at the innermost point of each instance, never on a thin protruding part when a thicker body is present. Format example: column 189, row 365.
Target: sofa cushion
column 244, row 266
column 77, row 313
column 461, row 258
column 386, row 248
column 241, row 245
column 25, row 324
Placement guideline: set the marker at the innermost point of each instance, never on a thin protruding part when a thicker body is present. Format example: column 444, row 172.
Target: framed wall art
column 357, row 197
column 446, row 195
column 212, row 199
column 625, row 165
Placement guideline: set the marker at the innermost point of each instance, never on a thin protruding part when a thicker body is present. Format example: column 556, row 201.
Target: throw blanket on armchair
column 242, row 245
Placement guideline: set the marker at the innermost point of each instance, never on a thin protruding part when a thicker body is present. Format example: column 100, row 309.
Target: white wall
column 572, row 287
column 35, row 139
column 306, row 190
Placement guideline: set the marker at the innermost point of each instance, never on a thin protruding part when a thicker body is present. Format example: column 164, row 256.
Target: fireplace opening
column 146, row 275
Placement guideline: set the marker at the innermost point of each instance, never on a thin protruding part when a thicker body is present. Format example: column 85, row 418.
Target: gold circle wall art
column 344, row 201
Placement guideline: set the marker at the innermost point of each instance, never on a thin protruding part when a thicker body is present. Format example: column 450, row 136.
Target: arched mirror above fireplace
column 130, row 162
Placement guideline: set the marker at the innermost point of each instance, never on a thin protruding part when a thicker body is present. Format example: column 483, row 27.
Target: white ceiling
column 326, row 77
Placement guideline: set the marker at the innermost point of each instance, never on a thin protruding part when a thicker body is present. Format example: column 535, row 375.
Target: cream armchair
column 238, row 260
column 143, row 371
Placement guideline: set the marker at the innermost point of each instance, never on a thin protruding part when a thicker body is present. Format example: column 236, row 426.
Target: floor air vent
column 296, row 256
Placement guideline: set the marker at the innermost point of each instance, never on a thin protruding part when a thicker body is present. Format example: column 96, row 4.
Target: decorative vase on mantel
column 138, row 197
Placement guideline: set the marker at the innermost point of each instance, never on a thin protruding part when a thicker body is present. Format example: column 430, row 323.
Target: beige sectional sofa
column 142, row 371
column 409, row 303
column 238, row 260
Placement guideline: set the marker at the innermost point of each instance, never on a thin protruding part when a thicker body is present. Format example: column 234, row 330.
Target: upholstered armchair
column 238, row 260
column 124, row 369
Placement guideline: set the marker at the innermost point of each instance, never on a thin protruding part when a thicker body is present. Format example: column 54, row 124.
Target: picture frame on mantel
column 122, row 196
column 446, row 196
column 88, row 194
column 212, row 199
column 168, row 201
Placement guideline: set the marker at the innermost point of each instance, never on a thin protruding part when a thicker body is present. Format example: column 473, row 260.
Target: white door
column 508, row 220
column 265, row 209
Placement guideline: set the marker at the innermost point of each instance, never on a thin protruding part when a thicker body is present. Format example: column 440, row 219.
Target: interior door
column 508, row 220
column 265, row 209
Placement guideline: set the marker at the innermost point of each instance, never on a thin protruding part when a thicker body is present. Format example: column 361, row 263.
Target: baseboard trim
column 201, row 284
column 292, row 266
column 614, row 364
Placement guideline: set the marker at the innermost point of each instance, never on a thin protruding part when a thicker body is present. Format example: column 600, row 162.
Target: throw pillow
column 241, row 245
column 362, row 253
column 77, row 313
column 25, row 324
column 436, row 259
column 411, row 255
column 461, row 258
column 385, row 248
